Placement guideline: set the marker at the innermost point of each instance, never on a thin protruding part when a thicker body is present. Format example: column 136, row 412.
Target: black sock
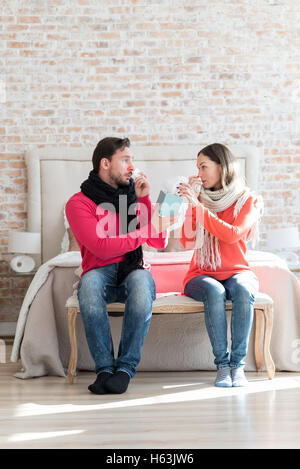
column 98, row 386
column 118, row 383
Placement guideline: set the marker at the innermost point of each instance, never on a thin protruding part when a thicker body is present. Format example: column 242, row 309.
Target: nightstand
column 13, row 287
column 11, row 273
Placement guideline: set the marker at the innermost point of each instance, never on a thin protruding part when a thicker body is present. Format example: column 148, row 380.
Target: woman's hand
column 186, row 190
column 195, row 182
column 141, row 185
column 162, row 223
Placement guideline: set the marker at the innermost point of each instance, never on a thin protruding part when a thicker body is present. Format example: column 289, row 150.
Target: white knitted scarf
column 207, row 245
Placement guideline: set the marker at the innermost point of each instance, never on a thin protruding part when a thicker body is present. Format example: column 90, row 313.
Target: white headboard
column 56, row 173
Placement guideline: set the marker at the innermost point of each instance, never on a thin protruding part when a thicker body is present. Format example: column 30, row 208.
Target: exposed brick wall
column 12, row 290
column 73, row 71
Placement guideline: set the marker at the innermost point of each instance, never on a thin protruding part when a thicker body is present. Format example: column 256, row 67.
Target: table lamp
column 23, row 242
column 283, row 239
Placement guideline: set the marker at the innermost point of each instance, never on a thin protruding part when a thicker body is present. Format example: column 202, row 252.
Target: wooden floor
column 159, row 410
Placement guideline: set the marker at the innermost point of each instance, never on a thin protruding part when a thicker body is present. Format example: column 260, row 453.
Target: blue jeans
column 241, row 289
column 98, row 287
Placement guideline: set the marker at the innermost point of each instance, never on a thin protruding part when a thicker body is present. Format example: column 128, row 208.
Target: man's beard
column 119, row 181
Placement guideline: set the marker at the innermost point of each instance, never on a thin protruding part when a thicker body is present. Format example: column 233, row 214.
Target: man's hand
column 141, row 185
column 162, row 223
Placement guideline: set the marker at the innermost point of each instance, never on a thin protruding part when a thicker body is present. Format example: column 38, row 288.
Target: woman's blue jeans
column 98, row 287
column 241, row 289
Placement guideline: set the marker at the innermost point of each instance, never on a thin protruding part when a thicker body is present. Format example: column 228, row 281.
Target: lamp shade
column 24, row 242
column 283, row 238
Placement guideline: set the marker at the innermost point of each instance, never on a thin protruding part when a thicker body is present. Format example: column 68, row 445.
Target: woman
column 219, row 220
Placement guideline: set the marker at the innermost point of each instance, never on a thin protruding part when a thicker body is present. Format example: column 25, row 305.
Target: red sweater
column 232, row 235
column 98, row 233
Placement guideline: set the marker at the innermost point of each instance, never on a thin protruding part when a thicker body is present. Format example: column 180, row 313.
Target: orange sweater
column 232, row 235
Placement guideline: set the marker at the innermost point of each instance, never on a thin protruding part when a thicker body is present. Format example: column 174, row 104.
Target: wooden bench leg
column 270, row 367
column 72, row 316
column 259, row 317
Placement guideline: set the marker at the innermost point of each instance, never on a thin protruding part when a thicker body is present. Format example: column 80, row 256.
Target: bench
column 180, row 304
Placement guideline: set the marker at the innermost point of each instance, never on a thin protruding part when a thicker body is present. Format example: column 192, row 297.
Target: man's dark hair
column 106, row 148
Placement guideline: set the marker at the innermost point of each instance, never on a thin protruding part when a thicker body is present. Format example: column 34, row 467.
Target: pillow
column 147, row 248
column 69, row 242
column 73, row 245
column 174, row 243
column 169, row 269
column 78, row 271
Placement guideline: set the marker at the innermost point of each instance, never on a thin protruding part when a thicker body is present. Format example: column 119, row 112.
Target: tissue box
column 170, row 204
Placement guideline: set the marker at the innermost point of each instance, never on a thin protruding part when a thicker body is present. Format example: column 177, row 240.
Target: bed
column 174, row 342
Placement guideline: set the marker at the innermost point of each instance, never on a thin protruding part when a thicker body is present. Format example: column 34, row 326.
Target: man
column 105, row 222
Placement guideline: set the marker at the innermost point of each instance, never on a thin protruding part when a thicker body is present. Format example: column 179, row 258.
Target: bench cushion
column 171, row 304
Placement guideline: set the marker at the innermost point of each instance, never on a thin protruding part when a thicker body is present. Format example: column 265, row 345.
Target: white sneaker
column 238, row 377
column 223, row 378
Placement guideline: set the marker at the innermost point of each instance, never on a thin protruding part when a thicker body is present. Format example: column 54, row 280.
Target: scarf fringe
column 207, row 245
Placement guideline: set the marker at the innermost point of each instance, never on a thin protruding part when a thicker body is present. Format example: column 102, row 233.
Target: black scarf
column 99, row 191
